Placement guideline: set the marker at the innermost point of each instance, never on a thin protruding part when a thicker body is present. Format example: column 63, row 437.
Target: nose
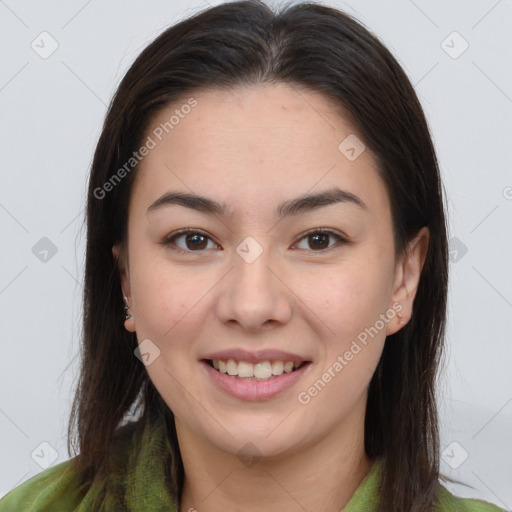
column 254, row 295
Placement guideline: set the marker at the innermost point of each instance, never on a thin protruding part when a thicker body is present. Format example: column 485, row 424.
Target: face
column 298, row 293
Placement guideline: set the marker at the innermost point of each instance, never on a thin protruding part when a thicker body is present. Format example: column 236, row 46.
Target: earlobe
column 407, row 278
column 129, row 322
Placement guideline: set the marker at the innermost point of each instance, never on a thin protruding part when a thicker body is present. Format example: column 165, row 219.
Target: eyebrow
column 295, row 206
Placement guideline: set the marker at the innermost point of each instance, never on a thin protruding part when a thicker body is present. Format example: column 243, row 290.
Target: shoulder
column 451, row 503
column 58, row 488
column 53, row 489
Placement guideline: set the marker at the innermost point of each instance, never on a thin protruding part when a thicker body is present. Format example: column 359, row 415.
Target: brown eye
column 318, row 240
column 193, row 241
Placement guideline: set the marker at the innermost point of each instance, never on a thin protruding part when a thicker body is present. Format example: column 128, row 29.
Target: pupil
column 316, row 237
column 196, row 243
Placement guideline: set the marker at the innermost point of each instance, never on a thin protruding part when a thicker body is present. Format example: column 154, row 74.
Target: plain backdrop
column 60, row 63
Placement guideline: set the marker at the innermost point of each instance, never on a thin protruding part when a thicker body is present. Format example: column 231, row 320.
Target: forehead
column 264, row 141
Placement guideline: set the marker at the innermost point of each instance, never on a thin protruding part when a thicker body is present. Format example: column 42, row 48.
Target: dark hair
column 322, row 49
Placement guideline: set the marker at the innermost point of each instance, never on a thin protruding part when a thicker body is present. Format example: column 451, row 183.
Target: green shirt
column 139, row 484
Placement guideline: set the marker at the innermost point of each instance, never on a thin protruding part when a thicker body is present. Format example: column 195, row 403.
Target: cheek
column 353, row 344
column 168, row 311
column 347, row 298
column 167, row 300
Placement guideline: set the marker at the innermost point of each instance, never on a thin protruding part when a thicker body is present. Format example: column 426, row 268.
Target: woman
column 266, row 279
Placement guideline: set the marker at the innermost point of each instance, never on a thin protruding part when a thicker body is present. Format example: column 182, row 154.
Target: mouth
column 260, row 371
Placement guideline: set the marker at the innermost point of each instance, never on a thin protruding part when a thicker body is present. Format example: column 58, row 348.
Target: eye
column 319, row 239
column 194, row 240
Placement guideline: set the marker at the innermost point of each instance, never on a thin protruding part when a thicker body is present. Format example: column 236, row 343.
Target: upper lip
column 255, row 357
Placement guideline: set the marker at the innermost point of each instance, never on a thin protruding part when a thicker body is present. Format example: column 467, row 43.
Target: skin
column 254, row 148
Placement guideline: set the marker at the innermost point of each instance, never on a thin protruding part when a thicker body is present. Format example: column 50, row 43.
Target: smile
column 262, row 371
column 261, row 380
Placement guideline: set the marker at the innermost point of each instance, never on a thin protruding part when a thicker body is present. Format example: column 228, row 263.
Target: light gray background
column 51, row 112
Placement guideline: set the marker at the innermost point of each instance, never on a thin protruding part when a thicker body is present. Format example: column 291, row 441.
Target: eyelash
column 168, row 241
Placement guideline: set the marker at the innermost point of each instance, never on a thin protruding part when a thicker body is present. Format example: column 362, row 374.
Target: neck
column 322, row 476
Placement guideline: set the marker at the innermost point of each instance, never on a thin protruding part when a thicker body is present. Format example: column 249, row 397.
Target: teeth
column 245, row 369
column 232, row 367
column 277, row 367
column 288, row 366
column 263, row 370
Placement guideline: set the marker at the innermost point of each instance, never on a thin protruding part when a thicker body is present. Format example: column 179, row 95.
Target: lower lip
column 253, row 389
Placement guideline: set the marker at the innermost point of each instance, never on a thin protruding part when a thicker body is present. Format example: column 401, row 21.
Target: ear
column 407, row 277
column 119, row 257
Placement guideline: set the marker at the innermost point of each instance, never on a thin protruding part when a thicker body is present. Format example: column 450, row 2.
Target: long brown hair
column 328, row 51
